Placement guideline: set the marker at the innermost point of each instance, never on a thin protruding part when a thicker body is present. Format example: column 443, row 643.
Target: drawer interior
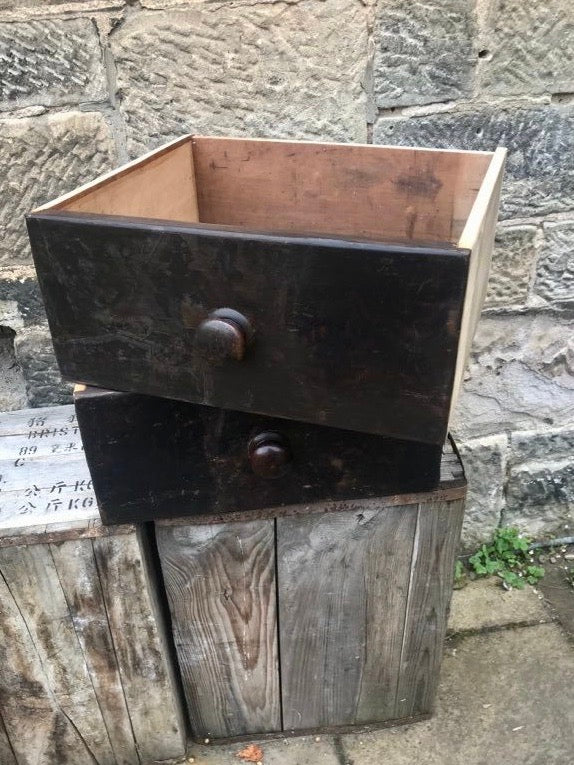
column 375, row 192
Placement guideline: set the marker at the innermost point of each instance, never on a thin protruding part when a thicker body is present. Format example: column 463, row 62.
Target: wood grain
column 137, row 626
column 430, row 591
column 161, row 184
column 382, row 192
column 82, row 588
column 220, row 583
column 82, row 670
column 48, row 702
column 378, row 192
column 337, row 305
column 84, row 675
column 478, row 237
column 343, row 585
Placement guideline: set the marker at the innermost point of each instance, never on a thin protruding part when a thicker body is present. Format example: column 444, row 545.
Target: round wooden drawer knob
column 269, row 455
column 225, row 334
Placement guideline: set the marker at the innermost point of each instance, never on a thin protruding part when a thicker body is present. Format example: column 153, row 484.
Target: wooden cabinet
column 313, row 619
column 331, row 284
column 289, row 324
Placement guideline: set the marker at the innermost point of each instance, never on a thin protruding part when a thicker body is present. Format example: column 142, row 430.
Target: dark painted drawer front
column 352, row 335
column 156, row 458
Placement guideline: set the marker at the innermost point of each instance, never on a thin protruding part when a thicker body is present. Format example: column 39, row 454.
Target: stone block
column 554, row 283
column 512, row 265
column 542, row 445
column 35, row 355
column 19, row 289
column 12, row 384
column 41, row 158
column 526, row 48
column 540, row 490
column 539, row 175
column 540, row 498
column 520, row 376
column 50, row 62
column 271, row 70
column 23, row 10
column 423, row 51
column 485, row 468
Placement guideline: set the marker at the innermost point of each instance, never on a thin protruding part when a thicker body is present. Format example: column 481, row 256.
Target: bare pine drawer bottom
column 313, row 618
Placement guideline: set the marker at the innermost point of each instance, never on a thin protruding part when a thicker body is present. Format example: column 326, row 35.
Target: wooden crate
column 152, row 458
column 325, row 283
column 85, row 674
column 321, row 618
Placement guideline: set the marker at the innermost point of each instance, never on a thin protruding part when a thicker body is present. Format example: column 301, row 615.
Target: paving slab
column 558, row 593
column 484, row 604
column 504, row 697
column 307, row 750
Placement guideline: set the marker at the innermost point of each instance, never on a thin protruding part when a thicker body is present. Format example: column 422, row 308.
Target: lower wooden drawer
column 152, row 458
column 329, row 619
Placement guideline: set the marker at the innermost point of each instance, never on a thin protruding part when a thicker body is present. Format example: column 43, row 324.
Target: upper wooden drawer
column 328, row 283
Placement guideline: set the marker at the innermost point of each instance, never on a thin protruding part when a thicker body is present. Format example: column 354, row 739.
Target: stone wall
column 85, row 85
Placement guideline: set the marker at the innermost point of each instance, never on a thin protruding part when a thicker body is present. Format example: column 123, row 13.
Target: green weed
column 507, row 557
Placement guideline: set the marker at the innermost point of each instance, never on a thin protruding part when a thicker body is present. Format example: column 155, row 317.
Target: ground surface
column 506, row 693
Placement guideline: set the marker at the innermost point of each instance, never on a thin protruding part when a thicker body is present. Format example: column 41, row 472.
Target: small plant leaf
column 507, row 556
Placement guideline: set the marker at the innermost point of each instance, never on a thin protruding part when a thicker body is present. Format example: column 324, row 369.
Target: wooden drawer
column 325, row 283
column 156, row 458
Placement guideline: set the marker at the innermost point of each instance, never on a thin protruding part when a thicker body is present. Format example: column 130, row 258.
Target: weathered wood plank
column 47, row 698
column 43, row 473
column 50, row 533
column 79, row 579
column 84, row 657
column 136, row 627
column 343, row 583
column 221, row 588
column 83, row 661
column 430, row 591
